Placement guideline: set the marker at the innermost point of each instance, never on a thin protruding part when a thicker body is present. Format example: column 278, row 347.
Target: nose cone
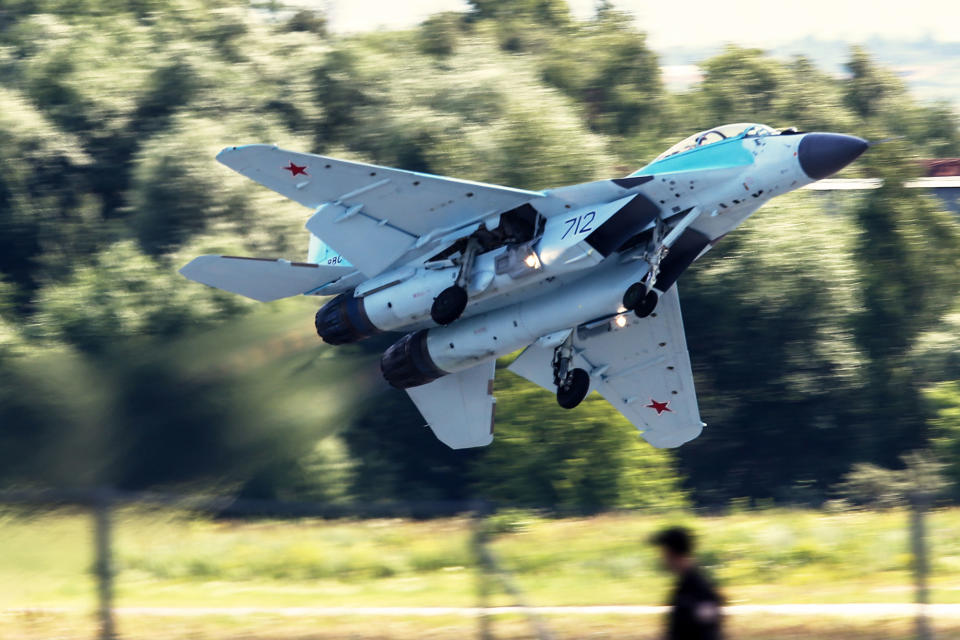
column 823, row 154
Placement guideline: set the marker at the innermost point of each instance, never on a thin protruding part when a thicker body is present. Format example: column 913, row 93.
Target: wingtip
column 236, row 150
column 190, row 268
column 224, row 153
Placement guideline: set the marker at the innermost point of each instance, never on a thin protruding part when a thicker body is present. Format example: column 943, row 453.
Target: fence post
column 484, row 630
column 103, row 566
column 921, row 566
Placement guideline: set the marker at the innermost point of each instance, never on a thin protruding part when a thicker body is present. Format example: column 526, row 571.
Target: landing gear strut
column 572, row 384
column 452, row 301
column 640, row 297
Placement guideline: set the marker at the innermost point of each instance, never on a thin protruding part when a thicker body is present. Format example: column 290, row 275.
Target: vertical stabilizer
column 320, row 253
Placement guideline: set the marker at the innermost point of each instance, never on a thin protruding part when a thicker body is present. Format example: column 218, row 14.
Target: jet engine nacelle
column 405, row 297
column 407, row 363
column 400, row 298
column 423, row 356
column 344, row 320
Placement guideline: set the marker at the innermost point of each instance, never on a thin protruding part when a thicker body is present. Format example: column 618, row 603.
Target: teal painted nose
column 823, row 154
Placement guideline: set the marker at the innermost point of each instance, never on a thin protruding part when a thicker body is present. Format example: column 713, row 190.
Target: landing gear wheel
column 639, row 300
column 574, row 390
column 647, row 305
column 634, row 295
column 449, row 305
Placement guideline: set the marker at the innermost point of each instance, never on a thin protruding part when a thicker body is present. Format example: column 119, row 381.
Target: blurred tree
column 811, row 335
column 607, row 67
column 50, row 418
column 397, row 456
column 740, row 85
column 935, row 355
column 944, row 401
column 9, row 336
column 921, row 473
column 777, row 369
column 440, row 32
column 307, row 20
column 124, row 293
column 870, row 88
column 167, row 429
column 552, row 13
column 810, row 100
column 179, row 192
column 42, row 205
column 591, row 459
column 327, row 472
column 167, row 88
column 909, row 264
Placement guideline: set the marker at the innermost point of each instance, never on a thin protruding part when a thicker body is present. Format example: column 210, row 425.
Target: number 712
column 580, row 224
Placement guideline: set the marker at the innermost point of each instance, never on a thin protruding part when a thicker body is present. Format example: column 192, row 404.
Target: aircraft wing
column 459, row 407
column 372, row 215
column 642, row 369
column 262, row 279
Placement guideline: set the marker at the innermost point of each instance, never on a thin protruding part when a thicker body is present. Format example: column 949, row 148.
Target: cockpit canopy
column 717, row 134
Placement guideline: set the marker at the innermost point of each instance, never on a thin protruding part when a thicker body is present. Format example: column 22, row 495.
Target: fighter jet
column 582, row 278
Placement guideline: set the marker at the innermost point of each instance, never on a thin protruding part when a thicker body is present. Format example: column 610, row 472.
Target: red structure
column 941, row 167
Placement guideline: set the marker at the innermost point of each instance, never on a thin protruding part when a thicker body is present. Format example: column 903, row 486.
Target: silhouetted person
column 695, row 603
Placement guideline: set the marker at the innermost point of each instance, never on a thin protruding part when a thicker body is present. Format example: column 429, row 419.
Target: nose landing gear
column 572, row 384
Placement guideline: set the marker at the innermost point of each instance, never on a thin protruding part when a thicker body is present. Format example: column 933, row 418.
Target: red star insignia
column 659, row 407
column 295, row 170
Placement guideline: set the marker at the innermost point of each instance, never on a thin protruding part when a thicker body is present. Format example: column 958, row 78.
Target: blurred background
column 824, row 333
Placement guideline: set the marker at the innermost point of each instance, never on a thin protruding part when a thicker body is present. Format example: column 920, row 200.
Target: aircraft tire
column 573, row 393
column 647, row 305
column 449, row 305
column 633, row 296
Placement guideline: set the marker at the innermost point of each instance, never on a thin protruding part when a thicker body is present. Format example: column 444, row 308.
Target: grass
column 43, row 626
column 177, row 559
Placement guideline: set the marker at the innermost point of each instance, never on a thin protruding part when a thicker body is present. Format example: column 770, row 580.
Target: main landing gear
column 572, row 384
column 639, row 300
column 452, row 301
column 640, row 297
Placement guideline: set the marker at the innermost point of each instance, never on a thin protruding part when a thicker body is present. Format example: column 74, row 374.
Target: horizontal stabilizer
column 459, row 407
column 261, row 278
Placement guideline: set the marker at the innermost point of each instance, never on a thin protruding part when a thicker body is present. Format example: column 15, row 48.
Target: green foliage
column 483, row 116
column 554, row 13
column 307, row 20
column 43, row 207
column 935, row 356
column 177, row 559
column 741, row 84
column 919, row 481
column 944, row 401
column 871, row 88
column 124, row 293
column 607, row 67
column 439, row 33
column 909, row 274
column 398, row 457
column 777, row 367
column 544, row 455
column 811, row 334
